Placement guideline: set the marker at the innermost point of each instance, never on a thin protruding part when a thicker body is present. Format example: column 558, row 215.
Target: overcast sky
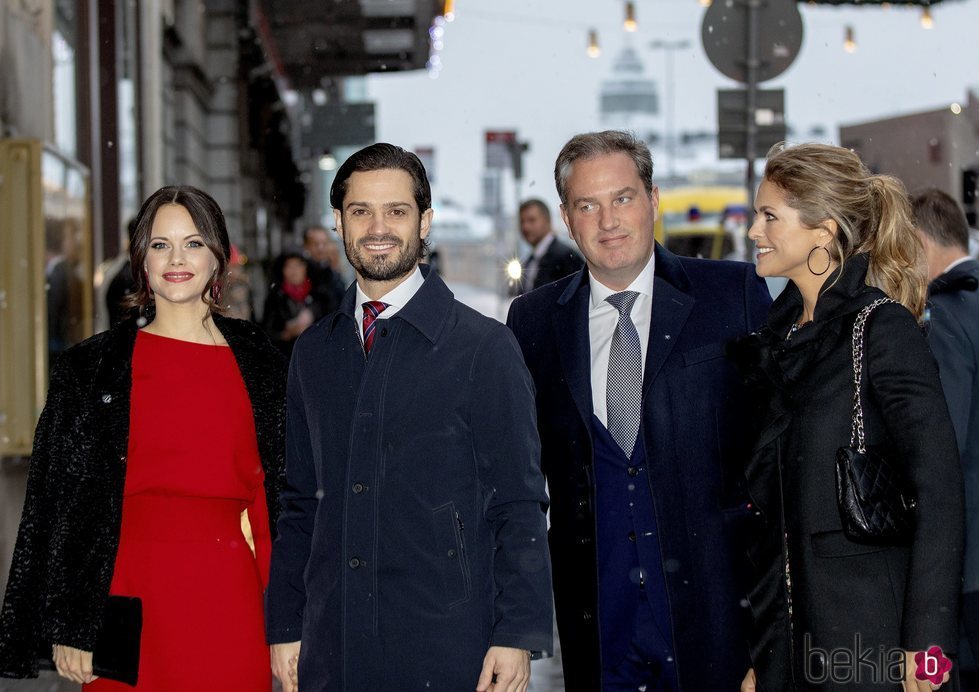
column 521, row 64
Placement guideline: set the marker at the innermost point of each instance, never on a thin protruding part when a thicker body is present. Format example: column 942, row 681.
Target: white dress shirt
column 533, row 264
column 602, row 318
column 396, row 299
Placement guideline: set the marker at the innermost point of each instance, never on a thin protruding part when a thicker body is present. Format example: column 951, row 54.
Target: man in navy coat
column 953, row 335
column 411, row 549
column 642, row 441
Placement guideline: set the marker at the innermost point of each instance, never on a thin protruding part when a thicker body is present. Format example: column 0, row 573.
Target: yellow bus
column 703, row 221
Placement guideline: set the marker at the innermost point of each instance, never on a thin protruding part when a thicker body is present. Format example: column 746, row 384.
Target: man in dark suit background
column 641, row 440
column 550, row 259
column 318, row 247
column 953, row 334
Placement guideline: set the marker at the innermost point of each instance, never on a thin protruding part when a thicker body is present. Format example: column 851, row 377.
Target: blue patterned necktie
column 624, row 394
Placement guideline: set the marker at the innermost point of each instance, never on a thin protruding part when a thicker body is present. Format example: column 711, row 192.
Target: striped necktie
column 372, row 309
column 624, row 395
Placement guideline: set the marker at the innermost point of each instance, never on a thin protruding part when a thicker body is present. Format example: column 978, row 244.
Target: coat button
column 582, row 504
column 586, row 615
column 452, row 552
column 354, row 563
column 633, row 471
column 384, row 331
column 632, row 536
column 358, row 488
column 106, row 398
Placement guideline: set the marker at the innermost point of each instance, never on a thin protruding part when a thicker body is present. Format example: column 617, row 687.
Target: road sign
column 732, row 119
column 498, row 147
column 725, row 37
column 427, row 157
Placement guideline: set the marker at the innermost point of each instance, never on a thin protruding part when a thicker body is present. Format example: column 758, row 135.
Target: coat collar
column 427, row 311
column 779, row 365
column 672, row 305
column 115, row 357
column 961, row 277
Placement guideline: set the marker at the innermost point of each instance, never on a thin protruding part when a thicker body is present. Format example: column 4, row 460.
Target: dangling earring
column 215, row 292
column 829, row 260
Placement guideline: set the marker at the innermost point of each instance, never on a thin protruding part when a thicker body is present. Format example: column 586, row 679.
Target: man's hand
column 285, row 665
column 749, row 684
column 74, row 664
column 504, row 670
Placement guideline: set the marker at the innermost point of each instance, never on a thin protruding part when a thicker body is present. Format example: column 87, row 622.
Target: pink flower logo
column 932, row 665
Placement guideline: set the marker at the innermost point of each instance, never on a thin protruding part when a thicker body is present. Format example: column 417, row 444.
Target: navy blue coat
column 412, row 535
column 953, row 335
column 695, row 444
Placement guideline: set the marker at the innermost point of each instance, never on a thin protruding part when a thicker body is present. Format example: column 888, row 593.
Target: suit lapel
column 671, row 308
column 570, row 323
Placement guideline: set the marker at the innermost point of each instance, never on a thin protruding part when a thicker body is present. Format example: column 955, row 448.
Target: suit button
column 632, row 536
column 452, row 552
column 384, row 331
column 582, row 504
column 633, row 471
column 586, row 615
column 354, row 563
column 358, row 488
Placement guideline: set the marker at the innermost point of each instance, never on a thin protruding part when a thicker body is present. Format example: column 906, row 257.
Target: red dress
column 193, row 467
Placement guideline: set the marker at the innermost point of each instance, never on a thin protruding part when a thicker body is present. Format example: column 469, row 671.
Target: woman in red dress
column 202, row 444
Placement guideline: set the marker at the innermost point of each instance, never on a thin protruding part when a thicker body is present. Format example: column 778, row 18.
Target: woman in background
column 291, row 306
column 844, row 239
column 156, row 436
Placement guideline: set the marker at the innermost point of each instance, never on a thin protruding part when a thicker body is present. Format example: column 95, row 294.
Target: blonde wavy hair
column 872, row 212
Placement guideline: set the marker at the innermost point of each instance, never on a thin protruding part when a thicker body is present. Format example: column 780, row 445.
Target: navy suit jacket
column 696, row 441
column 412, row 530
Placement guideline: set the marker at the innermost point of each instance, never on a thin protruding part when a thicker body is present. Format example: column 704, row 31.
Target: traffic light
column 970, row 180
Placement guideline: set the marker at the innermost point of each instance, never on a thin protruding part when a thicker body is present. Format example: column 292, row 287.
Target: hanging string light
column 849, row 43
column 630, row 24
column 927, row 22
column 593, row 49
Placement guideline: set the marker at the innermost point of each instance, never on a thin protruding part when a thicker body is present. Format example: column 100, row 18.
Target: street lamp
column 670, row 47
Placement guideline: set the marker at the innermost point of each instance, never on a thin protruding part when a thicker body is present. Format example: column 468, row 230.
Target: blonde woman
column 832, row 612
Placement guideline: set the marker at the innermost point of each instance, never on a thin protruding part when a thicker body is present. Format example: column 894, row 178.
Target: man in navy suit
column 550, row 259
column 642, row 435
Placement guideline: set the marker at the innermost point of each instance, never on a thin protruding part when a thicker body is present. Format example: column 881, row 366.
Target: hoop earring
column 829, row 260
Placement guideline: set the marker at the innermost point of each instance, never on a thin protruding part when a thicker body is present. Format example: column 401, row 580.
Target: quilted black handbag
column 874, row 495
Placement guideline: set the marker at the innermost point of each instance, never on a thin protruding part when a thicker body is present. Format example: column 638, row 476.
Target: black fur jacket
column 69, row 531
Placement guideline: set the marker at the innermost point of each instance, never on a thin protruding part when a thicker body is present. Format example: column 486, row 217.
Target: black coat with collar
column 903, row 596
column 696, row 443
column 953, row 334
column 69, row 531
column 557, row 262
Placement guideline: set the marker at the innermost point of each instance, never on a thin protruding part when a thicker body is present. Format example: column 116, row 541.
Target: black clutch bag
column 875, row 501
column 116, row 654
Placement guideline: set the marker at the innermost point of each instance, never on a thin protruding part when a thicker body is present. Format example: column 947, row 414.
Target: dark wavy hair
column 383, row 156
column 208, row 220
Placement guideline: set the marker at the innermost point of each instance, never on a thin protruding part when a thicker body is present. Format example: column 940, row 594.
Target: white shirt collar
column 956, row 263
column 642, row 284
column 397, row 297
column 543, row 245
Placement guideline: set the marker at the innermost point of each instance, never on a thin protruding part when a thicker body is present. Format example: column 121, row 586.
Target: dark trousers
column 648, row 665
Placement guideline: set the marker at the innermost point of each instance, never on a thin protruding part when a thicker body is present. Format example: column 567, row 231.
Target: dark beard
column 385, row 268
